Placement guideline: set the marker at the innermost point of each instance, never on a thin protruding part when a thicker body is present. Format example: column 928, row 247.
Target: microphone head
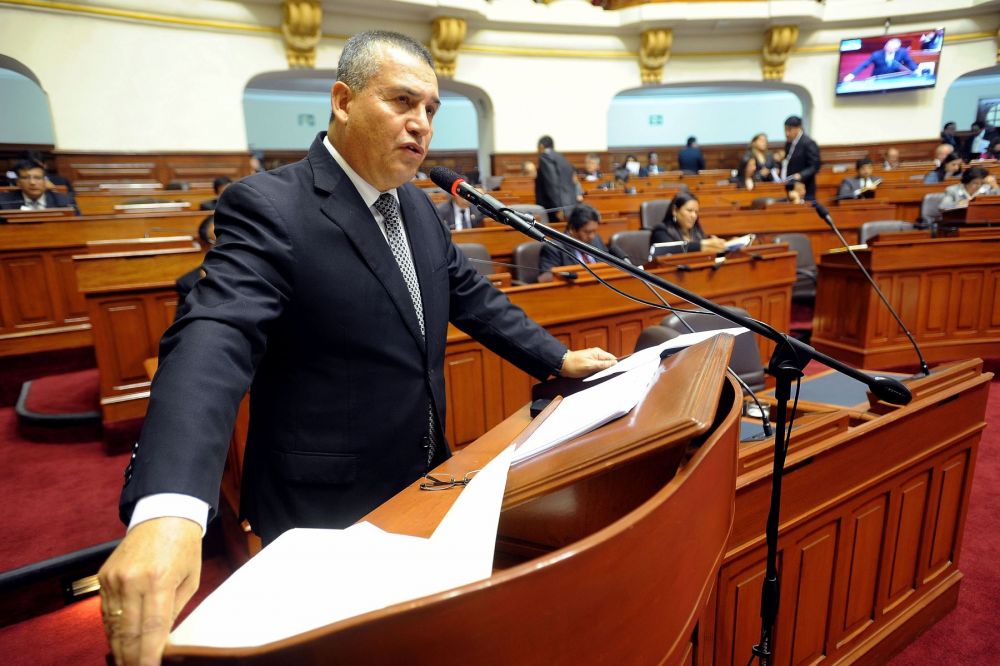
column 890, row 390
column 821, row 210
column 445, row 178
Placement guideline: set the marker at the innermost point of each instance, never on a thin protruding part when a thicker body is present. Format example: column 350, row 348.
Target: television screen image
column 889, row 62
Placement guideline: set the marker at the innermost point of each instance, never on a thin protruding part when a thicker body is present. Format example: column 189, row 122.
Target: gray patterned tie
column 389, row 208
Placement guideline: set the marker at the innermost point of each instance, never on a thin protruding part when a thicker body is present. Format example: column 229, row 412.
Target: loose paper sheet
column 308, row 578
column 653, row 353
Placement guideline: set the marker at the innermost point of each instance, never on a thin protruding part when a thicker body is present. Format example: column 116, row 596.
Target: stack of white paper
column 309, row 578
column 591, row 408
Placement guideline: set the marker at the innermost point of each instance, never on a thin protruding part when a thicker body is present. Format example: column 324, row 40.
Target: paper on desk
column 653, row 353
column 739, row 242
column 590, row 408
column 308, row 578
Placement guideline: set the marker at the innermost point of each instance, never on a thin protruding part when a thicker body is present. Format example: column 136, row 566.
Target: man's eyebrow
column 413, row 93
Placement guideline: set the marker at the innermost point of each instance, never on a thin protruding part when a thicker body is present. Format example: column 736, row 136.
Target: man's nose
column 419, row 123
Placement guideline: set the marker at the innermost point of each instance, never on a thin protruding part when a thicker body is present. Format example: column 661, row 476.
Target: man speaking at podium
column 890, row 59
column 328, row 294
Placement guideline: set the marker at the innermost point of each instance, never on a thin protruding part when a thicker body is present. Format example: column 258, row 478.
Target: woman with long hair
column 681, row 224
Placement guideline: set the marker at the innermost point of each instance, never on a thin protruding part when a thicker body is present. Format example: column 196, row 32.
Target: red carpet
column 58, row 497
column 69, row 393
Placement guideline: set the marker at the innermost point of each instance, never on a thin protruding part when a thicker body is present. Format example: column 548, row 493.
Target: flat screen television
column 889, row 62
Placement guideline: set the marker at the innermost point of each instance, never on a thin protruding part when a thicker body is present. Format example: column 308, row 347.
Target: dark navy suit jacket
column 13, row 200
column 304, row 304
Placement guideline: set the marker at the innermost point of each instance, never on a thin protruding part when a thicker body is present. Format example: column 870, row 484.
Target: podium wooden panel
column 946, row 289
column 623, row 574
column 874, row 501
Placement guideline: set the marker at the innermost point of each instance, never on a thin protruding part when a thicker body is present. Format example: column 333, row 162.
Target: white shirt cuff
column 170, row 505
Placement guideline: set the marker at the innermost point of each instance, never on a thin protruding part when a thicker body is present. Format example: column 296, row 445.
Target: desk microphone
column 825, row 216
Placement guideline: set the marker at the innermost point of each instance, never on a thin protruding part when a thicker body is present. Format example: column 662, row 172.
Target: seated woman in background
column 681, row 224
column 975, row 181
column 583, row 223
column 746, row 174
column 951, row 167
column 764, row 160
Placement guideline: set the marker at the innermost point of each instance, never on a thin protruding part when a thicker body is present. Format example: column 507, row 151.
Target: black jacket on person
column 304, row 304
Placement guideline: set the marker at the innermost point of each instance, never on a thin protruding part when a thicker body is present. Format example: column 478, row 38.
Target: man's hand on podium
column 145, row 584
column 585, row 362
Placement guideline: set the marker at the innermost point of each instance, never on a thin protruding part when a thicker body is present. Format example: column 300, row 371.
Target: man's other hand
column 585, row 362
column 145, row 583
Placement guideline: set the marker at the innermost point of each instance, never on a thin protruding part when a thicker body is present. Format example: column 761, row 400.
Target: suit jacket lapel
column 345, row 208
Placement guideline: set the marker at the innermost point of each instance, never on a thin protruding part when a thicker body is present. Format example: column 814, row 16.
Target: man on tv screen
column 890, row 59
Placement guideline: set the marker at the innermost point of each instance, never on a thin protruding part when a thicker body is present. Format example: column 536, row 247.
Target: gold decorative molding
column 447, row 36
column 654, row 51
column 301, row 26
column 778, row 43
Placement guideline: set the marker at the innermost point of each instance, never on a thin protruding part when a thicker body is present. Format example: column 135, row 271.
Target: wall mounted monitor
column 889, row 62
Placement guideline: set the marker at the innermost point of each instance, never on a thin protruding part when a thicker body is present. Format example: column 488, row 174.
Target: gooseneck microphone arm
column 824, row 214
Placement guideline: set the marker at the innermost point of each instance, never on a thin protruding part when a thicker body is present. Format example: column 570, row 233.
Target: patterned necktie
column 389, row 209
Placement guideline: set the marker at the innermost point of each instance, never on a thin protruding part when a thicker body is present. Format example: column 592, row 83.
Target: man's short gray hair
column 361, row 57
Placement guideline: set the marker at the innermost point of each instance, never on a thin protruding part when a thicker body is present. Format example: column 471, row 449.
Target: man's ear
column 340, row 100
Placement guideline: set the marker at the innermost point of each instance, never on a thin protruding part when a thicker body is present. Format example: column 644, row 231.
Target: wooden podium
column 608, row 551
column 946, row 289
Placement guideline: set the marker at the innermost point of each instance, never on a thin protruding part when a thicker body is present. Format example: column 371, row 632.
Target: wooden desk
column 792, row 218
column 131, row 300
column 500, row 240
column 874, row 501
column 947, row 290
column 105, row 202
column 41, row 308
column 981, row 210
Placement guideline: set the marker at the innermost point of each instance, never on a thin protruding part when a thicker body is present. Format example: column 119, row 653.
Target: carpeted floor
column 59, row 497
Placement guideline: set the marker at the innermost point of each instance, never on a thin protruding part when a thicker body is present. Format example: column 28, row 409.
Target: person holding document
column 328, row 295
column 861, row 184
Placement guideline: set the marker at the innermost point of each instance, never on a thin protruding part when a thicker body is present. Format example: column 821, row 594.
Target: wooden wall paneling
column 626, row 334
column 804, row 638
column 72, row 304
column 990, row 308
column 738, row 615
column 468, row 382
column 858, row 568
column 966, row 302
column 953, row 477
column 30, row 293
column 908, row 517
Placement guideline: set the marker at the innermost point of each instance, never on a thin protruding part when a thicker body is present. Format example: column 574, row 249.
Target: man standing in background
column 802, row 159
column 555, row 190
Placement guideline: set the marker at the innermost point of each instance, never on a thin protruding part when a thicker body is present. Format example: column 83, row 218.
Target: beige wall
column 126, row 85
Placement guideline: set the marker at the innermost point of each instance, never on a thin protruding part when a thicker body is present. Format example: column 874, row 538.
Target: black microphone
column 825, row 216
column 450, row 181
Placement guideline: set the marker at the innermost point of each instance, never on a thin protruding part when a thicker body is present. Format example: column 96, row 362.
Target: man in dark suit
column 555, row 189
column 328, row 294
column 855, row 188
column 34, row 194
column 583, row 224
column 802, row 159
column 458, row 214
column 691, row 160
column 887, row 60
column 219, row 185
